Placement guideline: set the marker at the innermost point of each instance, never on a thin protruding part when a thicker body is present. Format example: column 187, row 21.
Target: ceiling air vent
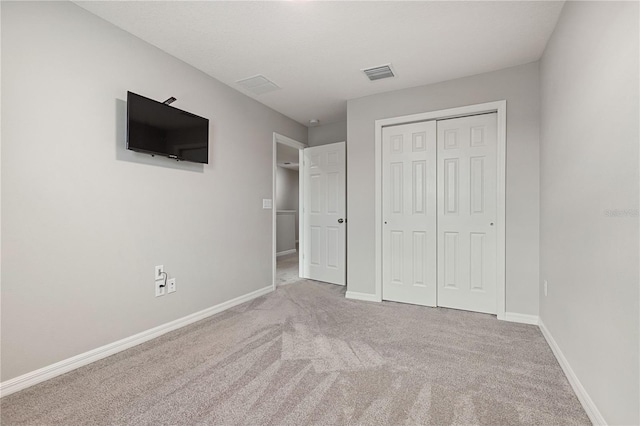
column 258, row 84
column 377, row 73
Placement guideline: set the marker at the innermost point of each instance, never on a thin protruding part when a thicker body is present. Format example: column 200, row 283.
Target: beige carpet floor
column 306, row 355
column 287, row 269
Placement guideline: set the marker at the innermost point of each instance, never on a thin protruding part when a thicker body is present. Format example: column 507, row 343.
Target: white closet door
column 467, row 212
column 409, row 213
column 324, row 209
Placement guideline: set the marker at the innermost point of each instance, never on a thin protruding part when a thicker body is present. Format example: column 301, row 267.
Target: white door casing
column 409, row 213
column 467, row 213
column 324, row 212
column 500, row 108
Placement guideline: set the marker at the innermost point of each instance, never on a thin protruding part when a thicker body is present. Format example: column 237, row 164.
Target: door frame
column 499, row 107
column 284, row 140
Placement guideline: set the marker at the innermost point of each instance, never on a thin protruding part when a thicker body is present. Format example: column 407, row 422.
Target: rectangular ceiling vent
column 258, row 84
column 378, row 73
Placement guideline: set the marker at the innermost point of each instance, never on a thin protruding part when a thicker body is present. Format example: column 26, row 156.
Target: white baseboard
column 34, row 377
column 521, row 318
column 587, row 403
column 361, row 296
column 284, row 253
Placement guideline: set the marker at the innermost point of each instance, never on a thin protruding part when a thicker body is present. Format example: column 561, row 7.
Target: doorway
column 440, row 188
column 287, row 201
column 318, row 252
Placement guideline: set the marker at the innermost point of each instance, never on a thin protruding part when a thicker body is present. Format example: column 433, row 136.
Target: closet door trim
column 499, row 107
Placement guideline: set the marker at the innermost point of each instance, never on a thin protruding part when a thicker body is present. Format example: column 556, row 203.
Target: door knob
column 340, row 220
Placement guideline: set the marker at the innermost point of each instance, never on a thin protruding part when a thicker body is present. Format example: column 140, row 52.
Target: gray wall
column 287, row 187
column 520, row 87
column 328, row 133
column 589, row 200
column 84, row 221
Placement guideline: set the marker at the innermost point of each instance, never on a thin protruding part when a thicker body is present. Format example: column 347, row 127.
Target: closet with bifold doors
column 439, row 211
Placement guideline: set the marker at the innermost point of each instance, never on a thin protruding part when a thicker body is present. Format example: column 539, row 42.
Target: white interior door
column 467, row 213
column 409, row 213
column 324, row 209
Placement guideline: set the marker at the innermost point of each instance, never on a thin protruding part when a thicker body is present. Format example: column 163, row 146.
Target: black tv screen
column 159, row 129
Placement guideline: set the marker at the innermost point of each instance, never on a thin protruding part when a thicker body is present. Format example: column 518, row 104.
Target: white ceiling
column 315, row 50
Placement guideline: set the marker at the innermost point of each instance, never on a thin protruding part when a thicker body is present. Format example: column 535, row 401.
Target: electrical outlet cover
column 171, row 285
column 159, row 288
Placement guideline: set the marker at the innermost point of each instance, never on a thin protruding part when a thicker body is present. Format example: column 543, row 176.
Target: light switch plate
column 171, row 285
column 158, row 272
column 267, row 203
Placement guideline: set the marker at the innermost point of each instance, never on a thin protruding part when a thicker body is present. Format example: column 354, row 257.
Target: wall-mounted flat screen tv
column 159, row 129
